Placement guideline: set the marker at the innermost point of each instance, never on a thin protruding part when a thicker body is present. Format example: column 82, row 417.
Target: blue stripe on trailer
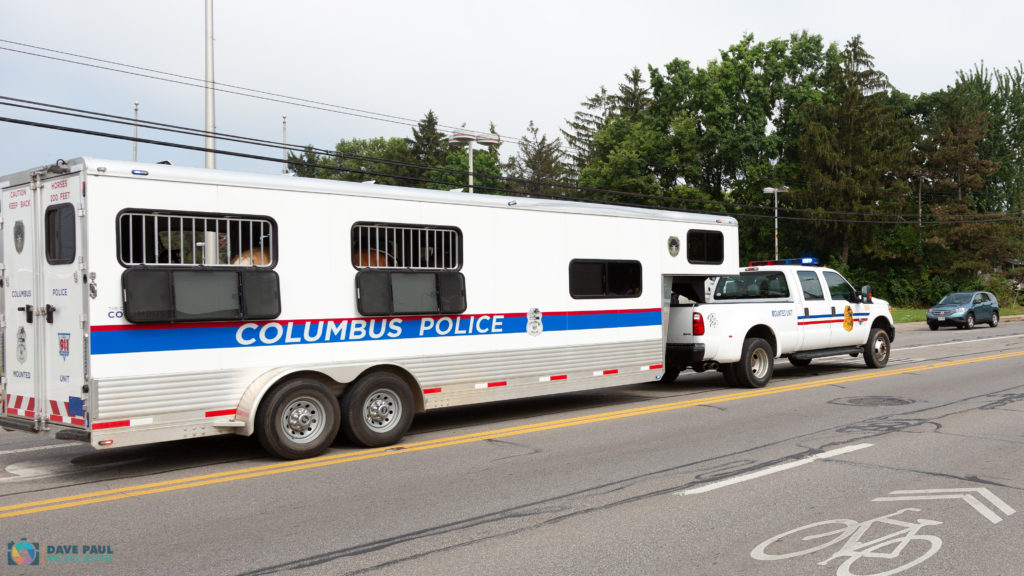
column 127, row 339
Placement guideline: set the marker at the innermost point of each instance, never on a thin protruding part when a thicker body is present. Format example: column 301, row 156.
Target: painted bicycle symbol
column 874, row 551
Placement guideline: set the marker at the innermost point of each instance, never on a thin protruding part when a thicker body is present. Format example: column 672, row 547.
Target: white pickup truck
column 790, row 308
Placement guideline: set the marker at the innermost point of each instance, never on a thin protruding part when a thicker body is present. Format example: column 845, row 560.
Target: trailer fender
column 336, row 378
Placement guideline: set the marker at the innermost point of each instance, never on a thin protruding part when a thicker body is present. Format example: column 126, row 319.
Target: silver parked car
column 964, row 310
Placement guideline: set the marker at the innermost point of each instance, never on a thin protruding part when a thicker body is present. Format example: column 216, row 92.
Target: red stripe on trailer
column 215, row 413
column 497, row 384
column 114, row 424
column 560, row 377
column 431, row 390
column 607, row 372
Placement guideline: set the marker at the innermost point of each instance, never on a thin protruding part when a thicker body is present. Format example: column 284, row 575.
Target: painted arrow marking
column 956, row 494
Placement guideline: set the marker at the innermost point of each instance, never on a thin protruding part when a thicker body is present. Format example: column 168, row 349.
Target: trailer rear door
column 44, row 298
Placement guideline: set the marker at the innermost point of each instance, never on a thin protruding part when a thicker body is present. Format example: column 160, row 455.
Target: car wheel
column 876, row 351
column 801, row 362
column 970, row 321
column 933, row 325
column 995, row 319
column 756, row 364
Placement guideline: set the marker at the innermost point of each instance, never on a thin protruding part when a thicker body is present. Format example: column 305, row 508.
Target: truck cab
column 794, row 309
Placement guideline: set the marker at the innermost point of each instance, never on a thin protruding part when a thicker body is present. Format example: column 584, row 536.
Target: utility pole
column 211, row 161
column 135, row 135
column 284, row 144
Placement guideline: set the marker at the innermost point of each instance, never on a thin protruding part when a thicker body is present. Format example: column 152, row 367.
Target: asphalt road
column 919, row 467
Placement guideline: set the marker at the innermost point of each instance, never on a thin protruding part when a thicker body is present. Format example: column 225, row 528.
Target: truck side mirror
column 865, row 294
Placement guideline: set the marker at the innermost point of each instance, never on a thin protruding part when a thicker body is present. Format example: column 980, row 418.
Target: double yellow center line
column 331, row 460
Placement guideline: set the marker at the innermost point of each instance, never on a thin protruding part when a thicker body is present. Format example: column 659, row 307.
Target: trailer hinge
column 83, row 320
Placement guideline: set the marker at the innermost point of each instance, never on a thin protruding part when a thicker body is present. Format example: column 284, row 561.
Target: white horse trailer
column 146, row 303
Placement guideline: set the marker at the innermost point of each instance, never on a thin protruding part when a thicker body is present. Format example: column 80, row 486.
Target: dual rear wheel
column 301, row 418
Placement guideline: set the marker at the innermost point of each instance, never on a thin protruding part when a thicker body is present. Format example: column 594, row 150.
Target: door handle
column 49, row 310
column 27, row 309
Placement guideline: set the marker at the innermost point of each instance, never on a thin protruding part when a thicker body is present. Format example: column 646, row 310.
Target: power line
column 483, row 186
column 193, row 82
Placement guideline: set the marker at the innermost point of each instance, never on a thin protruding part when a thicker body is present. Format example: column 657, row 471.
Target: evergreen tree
column 854, row 152
column 540, row 162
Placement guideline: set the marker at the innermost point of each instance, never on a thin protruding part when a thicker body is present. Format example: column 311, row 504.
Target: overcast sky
column 472, row 62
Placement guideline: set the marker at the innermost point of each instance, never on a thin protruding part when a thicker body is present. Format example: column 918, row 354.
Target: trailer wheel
column 756, row 365
column 876, row 351
column 298, row 419
column 376, row 410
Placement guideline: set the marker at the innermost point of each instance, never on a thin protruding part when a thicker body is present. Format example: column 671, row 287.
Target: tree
column 854, row 151
column 541, row 163
column 429, row 146
column 585, row 124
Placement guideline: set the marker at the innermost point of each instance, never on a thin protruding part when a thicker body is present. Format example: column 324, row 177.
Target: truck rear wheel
column 876, row 351
column 297, row 419
column 376, row 409
column 756, row 365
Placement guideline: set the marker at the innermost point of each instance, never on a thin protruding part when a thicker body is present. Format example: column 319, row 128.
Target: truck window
column 605, row 279
column 810, row 284
column 766, row 284
column 705, row 247
column 193, row 267
column 838, row 287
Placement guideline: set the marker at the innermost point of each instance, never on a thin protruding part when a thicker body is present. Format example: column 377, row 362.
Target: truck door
column 850, row 328
column 816, row 315
column 44, row 298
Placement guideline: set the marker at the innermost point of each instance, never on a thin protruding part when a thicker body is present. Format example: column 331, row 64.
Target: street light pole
column 467, row 139
column 211, row 161
column 775, row 192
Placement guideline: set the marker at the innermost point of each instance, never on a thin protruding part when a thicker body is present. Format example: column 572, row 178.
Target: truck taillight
column 698, row 324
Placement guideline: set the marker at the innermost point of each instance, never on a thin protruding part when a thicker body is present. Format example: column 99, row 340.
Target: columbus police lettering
column 357, row 330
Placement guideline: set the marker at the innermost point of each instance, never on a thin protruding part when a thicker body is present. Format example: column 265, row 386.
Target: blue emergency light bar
column 801, row 261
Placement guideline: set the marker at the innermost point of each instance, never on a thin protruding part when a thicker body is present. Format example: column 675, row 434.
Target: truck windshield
column 752, row 285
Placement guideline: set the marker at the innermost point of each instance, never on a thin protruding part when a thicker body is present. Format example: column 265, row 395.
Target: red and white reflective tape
column 145, row 421
column 61, row 412
column 485, row 385
column 652, row 367
column 554, row 378
column 605, row 372
column 24, row 406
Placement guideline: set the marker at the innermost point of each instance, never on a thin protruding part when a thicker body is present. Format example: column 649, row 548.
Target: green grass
column 917, row 314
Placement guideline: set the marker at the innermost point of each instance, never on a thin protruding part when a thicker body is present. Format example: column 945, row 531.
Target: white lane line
column 37, row 448
column 771, row 470
column 958, row 342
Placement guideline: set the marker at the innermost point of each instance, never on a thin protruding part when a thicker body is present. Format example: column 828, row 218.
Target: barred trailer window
column 411, row 247
column 192, row 267
column 185, row 239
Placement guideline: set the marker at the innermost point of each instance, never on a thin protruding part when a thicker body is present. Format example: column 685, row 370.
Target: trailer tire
column 299, row 418
column 756, row 364
column 876, row 351
column 376, row 410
